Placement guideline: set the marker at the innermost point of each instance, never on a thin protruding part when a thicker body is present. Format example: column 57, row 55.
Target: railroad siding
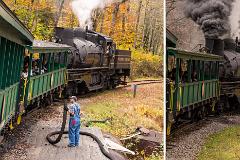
column 41, row 150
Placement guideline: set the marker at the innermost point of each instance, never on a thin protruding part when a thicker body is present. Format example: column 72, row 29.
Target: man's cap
column 73, row 97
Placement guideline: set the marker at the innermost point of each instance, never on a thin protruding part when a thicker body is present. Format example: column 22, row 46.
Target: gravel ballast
column 187, row 142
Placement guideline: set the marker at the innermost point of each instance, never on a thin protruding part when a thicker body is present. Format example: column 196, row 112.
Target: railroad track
column 141, row 82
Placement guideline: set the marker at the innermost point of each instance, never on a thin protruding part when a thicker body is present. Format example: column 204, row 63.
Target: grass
column 127, row 113
column 224, row 145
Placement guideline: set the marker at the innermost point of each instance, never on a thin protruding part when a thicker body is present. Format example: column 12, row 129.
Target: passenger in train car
column 35, row 69
column 183, row 71
column 172, row 74
column 194, row 76
column 25, row 73
column 184, row 76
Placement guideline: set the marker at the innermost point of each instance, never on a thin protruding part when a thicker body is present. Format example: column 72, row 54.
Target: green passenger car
column 13, row 39
column 193, row 83
column 46, row 71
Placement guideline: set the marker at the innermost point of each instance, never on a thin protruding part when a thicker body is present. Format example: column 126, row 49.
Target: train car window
column 44, row 63
column 51, row 62
column 210, row 69
column 62, row 60
column 201, row 65
column 189, row 70
column 41, row 64
column 171, row 67
column 194, row 71
column 213, row 70
column 35, row 69
column 183, row 71
column 24, row 74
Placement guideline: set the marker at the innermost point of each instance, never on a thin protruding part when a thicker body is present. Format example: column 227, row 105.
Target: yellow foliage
column 146, row 65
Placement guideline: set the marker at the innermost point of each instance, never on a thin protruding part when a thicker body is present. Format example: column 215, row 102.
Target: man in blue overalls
column 74, row 122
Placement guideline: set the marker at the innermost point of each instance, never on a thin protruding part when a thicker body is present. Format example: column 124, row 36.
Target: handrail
column 8, row 88
column 197, row 82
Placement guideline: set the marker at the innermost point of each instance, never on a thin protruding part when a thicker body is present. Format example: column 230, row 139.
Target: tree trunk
column 137, row 23
column 59, row 13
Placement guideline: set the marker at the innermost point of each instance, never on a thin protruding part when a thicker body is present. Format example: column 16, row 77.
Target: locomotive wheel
column 233, row 102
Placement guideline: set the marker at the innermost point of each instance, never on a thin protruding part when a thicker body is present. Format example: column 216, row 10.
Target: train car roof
column 183, row 54
column 12, row 28
column 47, row 47
column 171, row 39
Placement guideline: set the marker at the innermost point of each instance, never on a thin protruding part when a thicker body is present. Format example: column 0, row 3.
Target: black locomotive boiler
column 229, row 70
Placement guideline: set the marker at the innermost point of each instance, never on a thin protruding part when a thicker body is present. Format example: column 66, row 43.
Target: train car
column 194, row 85
column 44, row 73
column 94, row 62
column 171, row 41
column 14, row 36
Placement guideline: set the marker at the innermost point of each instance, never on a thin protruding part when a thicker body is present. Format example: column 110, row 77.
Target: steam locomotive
column 94, row 62
column 229, row 70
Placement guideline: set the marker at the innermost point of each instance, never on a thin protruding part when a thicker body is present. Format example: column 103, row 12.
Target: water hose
column 62, row 131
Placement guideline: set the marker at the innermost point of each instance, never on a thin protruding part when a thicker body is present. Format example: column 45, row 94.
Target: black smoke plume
column 211, row 15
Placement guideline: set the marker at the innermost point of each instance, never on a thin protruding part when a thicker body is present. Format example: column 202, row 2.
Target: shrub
column 146, row 65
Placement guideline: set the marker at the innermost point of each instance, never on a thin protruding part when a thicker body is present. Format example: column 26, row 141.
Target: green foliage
column 146, row 65
column 223, row 145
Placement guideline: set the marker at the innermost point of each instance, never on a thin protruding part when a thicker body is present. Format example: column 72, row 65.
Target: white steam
column 83, row 9
column 235, row 20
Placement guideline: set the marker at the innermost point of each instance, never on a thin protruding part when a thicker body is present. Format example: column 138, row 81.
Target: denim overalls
column 74, row 125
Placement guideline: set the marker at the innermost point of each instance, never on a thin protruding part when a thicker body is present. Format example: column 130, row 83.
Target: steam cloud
column 234, row 19
column 211, row 15
column 83, row 9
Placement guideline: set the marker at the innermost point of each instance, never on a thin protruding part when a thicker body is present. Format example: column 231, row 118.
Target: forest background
column 133, row 24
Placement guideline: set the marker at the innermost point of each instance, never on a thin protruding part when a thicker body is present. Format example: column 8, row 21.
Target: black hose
column 61, row 132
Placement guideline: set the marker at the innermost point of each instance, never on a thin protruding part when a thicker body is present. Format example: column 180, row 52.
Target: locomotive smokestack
column 86, row 28
column 215, row 46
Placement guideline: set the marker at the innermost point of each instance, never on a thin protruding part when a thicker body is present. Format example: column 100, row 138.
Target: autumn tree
column 134, row 24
